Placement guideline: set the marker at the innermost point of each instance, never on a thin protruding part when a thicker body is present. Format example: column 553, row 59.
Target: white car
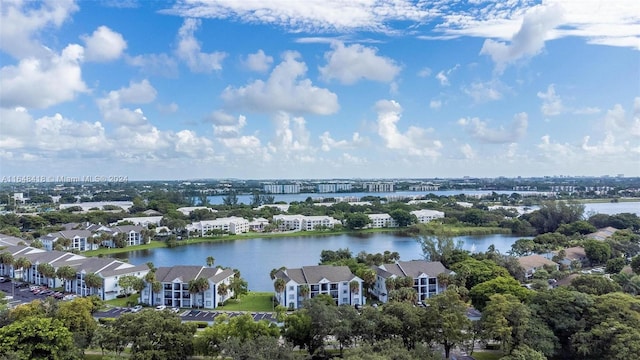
column 175, row 310
column 136, row 308
column 160, row 307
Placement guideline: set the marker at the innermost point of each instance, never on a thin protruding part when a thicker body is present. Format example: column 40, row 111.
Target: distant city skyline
column 187, row 89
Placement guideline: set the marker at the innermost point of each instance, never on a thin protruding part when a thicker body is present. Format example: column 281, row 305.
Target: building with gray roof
column 175, row 282
column 424, row 274
column 334, row 281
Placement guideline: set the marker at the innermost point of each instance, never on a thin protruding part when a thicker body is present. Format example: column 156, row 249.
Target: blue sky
column 319, row 89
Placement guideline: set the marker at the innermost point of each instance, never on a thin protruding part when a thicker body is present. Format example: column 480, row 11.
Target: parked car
column 136, row 308
column 161, row 307
column 175, row 310
column 4, row 279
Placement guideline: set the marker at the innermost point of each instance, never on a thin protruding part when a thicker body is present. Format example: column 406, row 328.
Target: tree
column 47, row 270
column 524, row 352
column 635, row 264
column 66, row 273
column 231, row 199
column 506, row 319
column 222, row 291
column 598, row 252
column 22, row 263
column 446, row 321
column 77, row 316
column 522, row 247
column 129, row 283
column 210, row 261
column 279, row 286
column 594, row 284
column 6, row 259
column 368, row 277
column 357, row 221
column 304, row 290
column 37, row 338
column 442, row 248
column 552, row 214
column 93, row 281
column 472, row 272
column 615, row 265
column 165, row 336
column 481, row 293
column 199, row 286
column 403, row 217
column 239, row 286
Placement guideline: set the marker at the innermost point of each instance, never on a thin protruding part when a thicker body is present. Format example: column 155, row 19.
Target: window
column 290, row 288
column 291, row 296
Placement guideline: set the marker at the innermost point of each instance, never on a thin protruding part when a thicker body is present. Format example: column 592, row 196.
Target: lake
column 256, row 257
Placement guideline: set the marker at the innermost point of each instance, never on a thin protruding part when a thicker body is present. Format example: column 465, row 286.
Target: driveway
column 192, row 315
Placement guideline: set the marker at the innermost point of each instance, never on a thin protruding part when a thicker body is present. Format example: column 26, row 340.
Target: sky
column 319, row 89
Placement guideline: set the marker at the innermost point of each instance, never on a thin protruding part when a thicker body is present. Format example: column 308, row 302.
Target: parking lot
column 192, row 315
column 20, row 295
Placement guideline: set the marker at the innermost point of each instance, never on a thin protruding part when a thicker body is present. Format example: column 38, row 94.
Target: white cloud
column 43, row 82
column 259, row 62
column 443, row 75
column 482, row 92
column 226, row 125
column 136, row 93
column 352, row 63
column 284, row 90
column 587, row 110
column 168, row 108
column 551, row 102
column 414, row 141
column 328, row 143
column 23, row 20
column 467, row 151
column 435, row 104
column 155, row 64
column 479, row 129
column 104, row 45
column 291, row 134
column 310, row 15
column 424, row 72
column 187, row 142
column 246, row 144
column 536, row 26
column 607, row 146
column 553, row 151
column 189, row 50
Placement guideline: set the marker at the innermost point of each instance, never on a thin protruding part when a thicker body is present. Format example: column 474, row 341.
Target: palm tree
column 354, row 287
column 444, row 280
column 47, row 270
column 151, row 266
column 210, row 261
column 304, row 290
column 156, row 287
column 279, row 286
column 66, row 273
column 22, row 263
column 273, row 272
column 222, row 291
column 368, row 276
column 390, row 283
column 92, row 281
column 199, row 285
column 6, row 259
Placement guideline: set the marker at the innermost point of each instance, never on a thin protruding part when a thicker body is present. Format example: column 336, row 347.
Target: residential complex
column 281, row 188
column 333, row 187
column 535, row 262
column 231, row 225
column 175, row 290
column 381, row 221
column 424, row 275
column 81, row 240
column 108, row 269
column 309, row 281
column 303, row 223
column 378, row 186
column 424, row 216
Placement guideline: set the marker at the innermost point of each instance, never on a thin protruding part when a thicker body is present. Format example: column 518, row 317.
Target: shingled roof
column 315, row 274
column 413, row 268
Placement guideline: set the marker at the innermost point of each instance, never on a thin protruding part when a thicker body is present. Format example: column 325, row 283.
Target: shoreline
column 154, row 244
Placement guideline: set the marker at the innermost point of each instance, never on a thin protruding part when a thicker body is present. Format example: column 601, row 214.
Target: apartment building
column 424, row 216
column 381, row 221
column 309, row 281
column 424, row 274
column 231, row 225
column 175, row 287
column 303, row 223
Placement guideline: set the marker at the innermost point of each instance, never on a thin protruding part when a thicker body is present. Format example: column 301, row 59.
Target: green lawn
column 253, row 301
column 487, row 355
column 122, row 302
column 106, row 251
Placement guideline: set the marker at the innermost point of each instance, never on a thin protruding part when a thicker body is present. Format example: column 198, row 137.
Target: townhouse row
column 109, row 270
column 85, row 237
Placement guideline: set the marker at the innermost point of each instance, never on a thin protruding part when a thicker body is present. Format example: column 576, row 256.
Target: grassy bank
column 431, row 229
